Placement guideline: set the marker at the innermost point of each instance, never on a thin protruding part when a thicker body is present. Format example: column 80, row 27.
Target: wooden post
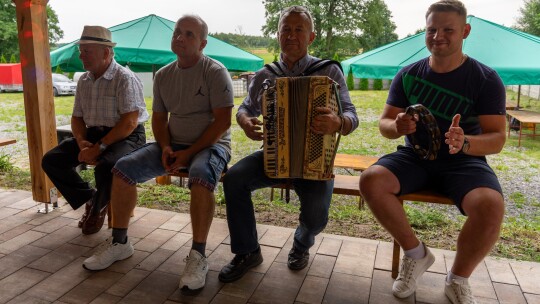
column 38, row 95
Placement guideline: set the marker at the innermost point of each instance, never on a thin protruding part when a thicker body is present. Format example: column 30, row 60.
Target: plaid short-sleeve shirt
column 100, row 102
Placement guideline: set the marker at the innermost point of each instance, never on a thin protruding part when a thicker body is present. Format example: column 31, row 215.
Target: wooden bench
column 343, row 184
column 349, row 185
column 166, row 179
column 7, row 141
column 420, row 196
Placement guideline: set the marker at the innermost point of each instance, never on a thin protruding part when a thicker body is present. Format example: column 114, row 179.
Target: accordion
column 291, row 150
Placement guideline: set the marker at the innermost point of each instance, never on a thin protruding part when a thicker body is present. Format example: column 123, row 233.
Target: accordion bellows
column 291, row 150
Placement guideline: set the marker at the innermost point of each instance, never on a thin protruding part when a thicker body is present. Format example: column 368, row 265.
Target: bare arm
column 125, row 126
column 122, row 129
column 491, row 141
column 78, row 128
column 394, row 123
column 160, row 128
column 251, row 125
column 214, row 131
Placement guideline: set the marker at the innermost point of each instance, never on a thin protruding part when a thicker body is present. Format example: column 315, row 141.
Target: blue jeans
column 248, row 175
column 144, row 164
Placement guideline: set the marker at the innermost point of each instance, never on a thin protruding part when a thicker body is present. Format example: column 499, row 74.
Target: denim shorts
column 144, row 164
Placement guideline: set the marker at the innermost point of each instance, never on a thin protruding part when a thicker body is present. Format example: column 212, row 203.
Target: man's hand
column 89, row 155
column 327, row 122
column 252, row 127
column 84, row 144
column 405, row 123
column 173, row 162
column 455, row 136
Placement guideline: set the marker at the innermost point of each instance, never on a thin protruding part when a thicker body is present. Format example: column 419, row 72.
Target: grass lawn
column 438, row 226
column 264, row 54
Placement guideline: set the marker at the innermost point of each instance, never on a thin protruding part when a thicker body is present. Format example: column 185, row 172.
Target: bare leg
column 123, row 202
column 201, row 211
column 485, row 210
column 378, row 187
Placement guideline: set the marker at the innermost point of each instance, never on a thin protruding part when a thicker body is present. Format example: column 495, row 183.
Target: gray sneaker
column 108, row 253
column 410, row 271
column 194, row 276
column 459, row 292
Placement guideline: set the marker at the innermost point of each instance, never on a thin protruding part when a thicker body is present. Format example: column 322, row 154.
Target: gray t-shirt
column 189, row 95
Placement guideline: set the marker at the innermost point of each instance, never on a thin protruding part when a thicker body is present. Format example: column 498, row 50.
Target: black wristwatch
column 102, row 146
column 466, row 145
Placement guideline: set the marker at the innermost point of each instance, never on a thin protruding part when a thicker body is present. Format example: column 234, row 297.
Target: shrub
column 377, row 84
column 3, row 59
column 5, row 163
column 350, row 80
column 364, row 84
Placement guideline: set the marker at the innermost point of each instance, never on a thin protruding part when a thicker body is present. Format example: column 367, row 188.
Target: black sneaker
column 297, row 259
column 240, row 264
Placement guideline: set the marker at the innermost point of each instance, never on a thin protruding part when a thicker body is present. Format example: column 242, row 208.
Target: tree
column 377, row 84
column 377, row 26
column 339, row 24
column 364, row 84
column 350, row 80
column 529, row 21
column 9, row 41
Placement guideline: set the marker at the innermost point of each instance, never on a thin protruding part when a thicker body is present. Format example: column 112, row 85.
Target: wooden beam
column 38, row 95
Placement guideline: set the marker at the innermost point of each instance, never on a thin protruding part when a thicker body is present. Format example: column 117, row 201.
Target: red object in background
column 10, row 77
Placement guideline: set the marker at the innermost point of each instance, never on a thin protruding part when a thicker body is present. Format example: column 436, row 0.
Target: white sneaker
column 108, row 253
column 459, row 292
column 194, row 276
column 410, row 271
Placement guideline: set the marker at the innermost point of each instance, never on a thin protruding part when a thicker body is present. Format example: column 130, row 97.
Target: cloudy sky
column 246, row 16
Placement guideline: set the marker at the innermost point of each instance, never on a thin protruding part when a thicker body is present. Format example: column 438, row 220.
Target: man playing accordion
column 295, row 34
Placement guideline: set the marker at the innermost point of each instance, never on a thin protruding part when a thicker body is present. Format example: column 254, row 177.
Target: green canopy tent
column 513, row 54
column 144, row 45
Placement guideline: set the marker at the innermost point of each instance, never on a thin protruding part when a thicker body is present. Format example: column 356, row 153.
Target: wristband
column 342, row 125
column 102, row 146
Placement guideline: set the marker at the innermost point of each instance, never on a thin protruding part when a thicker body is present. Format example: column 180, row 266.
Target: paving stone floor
column 41, row 257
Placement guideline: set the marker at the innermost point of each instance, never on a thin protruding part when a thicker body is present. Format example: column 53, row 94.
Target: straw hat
column 93, row 34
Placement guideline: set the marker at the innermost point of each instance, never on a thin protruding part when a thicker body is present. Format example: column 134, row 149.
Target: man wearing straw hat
column 107, row 123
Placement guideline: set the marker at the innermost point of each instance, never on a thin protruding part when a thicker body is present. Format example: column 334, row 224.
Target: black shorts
column 454, row 177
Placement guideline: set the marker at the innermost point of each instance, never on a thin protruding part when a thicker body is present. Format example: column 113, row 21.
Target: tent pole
column 519, row 94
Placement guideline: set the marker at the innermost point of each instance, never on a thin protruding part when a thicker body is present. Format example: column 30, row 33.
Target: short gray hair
column 202, row 23
column 299, row 10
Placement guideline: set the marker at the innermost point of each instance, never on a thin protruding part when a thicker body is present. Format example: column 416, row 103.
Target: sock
column 417, row 252
column 119, row 235
column 199, row 247
column 451, row 276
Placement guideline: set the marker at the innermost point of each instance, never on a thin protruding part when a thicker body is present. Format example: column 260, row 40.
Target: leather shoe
column 239, row 266
column 94, row 222
column 87, row 209
column 297, row 259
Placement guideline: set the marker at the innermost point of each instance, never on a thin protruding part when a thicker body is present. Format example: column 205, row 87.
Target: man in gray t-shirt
column 192, row 111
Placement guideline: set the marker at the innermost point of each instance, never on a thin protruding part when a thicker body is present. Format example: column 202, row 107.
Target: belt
column 104, row 128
